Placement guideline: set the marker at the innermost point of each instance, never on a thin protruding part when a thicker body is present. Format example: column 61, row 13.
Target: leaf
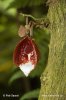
column 15, row 76
column 24, row 3
column 4, row 4
column 7, row 65
column 31, row 94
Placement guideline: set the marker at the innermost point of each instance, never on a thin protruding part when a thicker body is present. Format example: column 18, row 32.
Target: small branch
column 27, row 15
column 26, row 20
column 38, row 22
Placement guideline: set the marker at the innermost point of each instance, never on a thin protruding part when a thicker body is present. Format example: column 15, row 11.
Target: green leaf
column 16, row 76
column 28, row 3
column 31, row 94
column 4, row 4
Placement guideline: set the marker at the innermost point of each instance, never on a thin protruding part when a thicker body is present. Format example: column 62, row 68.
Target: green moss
column 53, row 79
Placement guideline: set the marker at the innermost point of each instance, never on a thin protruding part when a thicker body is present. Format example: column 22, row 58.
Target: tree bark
column 53, row 79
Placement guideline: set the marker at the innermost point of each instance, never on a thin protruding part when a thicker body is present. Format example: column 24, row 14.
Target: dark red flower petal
column 24, row 47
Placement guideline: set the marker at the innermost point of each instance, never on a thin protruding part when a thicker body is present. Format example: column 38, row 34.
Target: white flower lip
column 26, row 68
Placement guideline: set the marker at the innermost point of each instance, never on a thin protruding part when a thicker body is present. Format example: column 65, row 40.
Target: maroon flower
column 26, row 55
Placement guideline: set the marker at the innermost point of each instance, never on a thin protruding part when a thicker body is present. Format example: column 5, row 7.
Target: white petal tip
column 26, row 68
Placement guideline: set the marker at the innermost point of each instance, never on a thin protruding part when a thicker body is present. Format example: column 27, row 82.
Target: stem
column 53, row 79
column 26, row 20
column 27, row 15
column 31, row 30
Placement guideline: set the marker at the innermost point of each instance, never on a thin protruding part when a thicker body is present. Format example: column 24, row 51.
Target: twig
column 27, row 15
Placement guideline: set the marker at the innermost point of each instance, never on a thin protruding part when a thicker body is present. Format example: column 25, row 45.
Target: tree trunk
column 53, row 79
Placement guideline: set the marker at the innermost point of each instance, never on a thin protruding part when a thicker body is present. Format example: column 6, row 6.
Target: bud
column 22, row 31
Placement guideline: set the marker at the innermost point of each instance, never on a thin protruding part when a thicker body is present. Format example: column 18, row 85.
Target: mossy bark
column 53, row 79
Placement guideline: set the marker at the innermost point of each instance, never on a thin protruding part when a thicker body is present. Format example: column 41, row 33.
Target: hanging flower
column 26, row 55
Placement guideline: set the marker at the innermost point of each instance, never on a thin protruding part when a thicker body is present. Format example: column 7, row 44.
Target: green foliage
column 16, row 76
column 23, row 3
column 9, row 39
column 32, row 94
column 4, row 4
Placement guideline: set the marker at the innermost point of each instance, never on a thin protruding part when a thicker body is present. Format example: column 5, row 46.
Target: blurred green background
column 12, row 80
